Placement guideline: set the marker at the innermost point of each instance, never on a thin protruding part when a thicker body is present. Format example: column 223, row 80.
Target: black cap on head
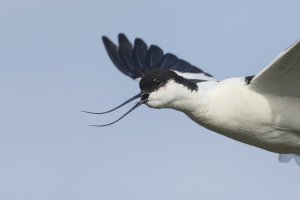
column 155, row 79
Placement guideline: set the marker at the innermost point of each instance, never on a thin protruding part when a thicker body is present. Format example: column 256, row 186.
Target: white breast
column 263, row 120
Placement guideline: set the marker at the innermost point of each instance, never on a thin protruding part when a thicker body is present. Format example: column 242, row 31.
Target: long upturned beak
column 144, row 98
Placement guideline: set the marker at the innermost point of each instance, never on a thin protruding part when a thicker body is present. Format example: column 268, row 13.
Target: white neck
column 179, row 97
column 192, row 103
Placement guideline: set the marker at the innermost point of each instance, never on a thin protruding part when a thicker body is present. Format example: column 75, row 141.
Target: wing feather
column 139, row 54
column 136, row 60
column 168, row 61
column 282, row 76
column 125, row 52
column 113, row 53
column 154, row 55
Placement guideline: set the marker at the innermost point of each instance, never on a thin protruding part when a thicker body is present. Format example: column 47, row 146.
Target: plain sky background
column 53, row 65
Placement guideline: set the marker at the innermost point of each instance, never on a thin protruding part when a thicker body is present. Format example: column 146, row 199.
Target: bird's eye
column 157, row 82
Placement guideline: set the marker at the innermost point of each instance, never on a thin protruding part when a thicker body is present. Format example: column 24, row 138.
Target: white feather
column 199, row 76
column 282, row 75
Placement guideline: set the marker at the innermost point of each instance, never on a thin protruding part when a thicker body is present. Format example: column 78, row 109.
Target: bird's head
column 161, row 88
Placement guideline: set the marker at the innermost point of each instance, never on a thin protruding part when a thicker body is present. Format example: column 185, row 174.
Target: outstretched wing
column 136, row 60
column 282, row 76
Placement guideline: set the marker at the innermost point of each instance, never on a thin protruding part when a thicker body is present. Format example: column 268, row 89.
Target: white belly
column 263, row 120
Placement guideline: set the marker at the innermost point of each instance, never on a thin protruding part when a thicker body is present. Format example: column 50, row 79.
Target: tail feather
column 285, row 158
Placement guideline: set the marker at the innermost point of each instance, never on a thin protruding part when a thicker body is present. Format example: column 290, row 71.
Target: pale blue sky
column 52, row 65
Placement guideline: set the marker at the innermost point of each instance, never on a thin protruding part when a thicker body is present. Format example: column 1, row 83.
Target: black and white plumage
column 261, row 110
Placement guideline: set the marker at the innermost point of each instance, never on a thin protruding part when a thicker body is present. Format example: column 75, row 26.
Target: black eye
column 157, row 82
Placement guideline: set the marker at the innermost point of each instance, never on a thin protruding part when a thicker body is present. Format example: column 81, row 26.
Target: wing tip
column 122, row 38
column 105, row 38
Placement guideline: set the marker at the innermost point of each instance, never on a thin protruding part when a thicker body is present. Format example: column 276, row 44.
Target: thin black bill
column 126, row 102
column 142, row 101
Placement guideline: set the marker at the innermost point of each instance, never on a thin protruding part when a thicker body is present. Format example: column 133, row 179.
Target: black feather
column 135, row 61
column 125, row 52
column 248, row 79
column 154, row 55
column 167, row 61
column 113, row 53
column 139, row 54
column 180, row 65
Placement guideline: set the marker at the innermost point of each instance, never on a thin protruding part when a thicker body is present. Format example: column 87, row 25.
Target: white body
column 232, row 109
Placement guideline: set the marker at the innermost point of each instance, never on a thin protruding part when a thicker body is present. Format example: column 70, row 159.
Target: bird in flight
column 261, row 110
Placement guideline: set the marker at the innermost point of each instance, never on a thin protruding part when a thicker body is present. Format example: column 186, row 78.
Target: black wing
column 136, row 60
